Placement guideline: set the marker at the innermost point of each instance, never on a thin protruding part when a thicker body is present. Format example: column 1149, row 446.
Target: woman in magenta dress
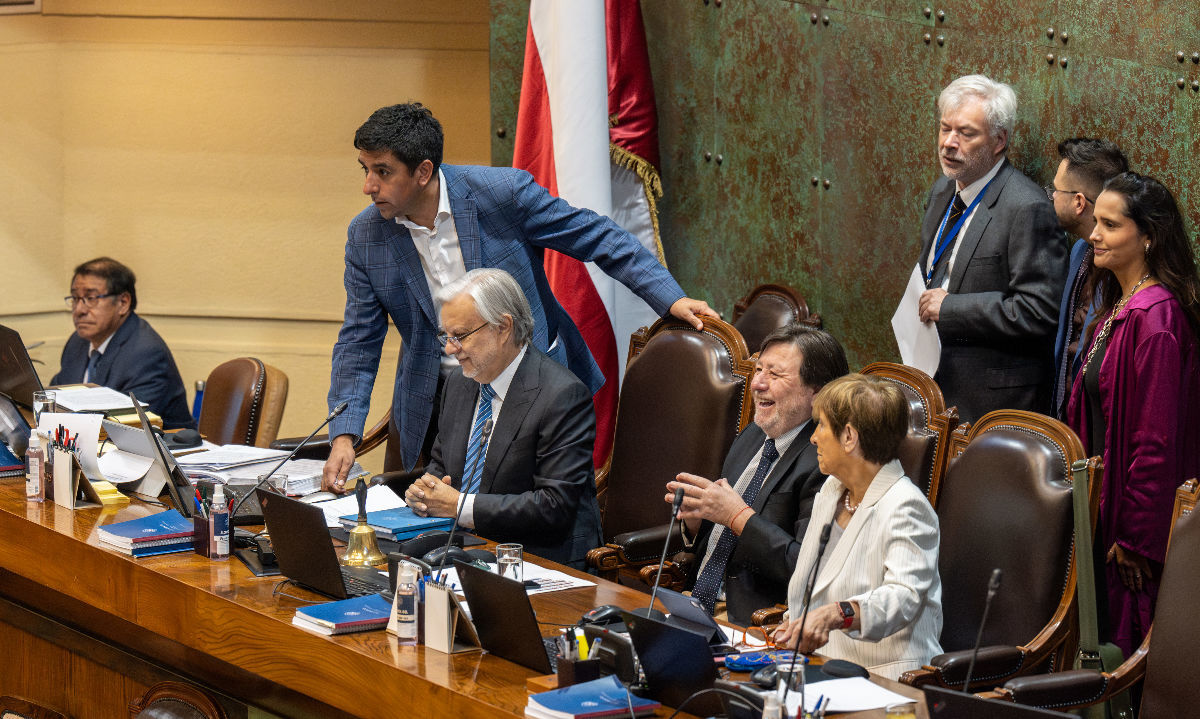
column 1136, row 400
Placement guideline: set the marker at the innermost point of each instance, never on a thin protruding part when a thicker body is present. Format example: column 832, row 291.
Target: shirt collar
column 502, row 382
column 443, row 208
column 783, row 441
column 103, row 345
column 969, row 192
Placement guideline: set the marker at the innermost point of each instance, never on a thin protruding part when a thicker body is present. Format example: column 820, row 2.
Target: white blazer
column 887, row 561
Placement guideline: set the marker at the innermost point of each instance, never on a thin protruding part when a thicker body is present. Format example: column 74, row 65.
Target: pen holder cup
column 203, row 533
column 576, row 671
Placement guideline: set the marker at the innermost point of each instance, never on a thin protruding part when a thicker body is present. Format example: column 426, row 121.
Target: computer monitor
column 18, row 380
column 178, row 487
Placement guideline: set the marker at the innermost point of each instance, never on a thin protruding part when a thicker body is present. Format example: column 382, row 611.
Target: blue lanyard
column 949, row 236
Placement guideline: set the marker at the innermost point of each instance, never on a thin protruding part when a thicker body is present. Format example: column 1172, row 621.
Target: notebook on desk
column 305, row 552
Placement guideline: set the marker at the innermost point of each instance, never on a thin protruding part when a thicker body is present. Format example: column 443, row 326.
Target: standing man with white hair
column 531, row 480
column 993, row 259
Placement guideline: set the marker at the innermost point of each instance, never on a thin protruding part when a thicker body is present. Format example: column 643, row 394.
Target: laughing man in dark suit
column 993, row 258
column 535, row 483
column 746, row 528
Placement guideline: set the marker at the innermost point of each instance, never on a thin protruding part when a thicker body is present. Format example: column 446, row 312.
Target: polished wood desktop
column 87, row 629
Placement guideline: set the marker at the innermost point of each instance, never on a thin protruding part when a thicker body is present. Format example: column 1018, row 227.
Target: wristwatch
column 847, row 611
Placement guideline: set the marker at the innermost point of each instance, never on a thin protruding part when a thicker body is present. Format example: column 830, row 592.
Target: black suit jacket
column 997, row 324
column 137, row 360
column 757, row 574
column 538, row 487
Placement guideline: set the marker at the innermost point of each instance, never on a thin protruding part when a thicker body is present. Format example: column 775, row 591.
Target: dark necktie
column 957, row 208
column 708, row 584
column 93, row 359
column 1065, row 361
column 474, row 467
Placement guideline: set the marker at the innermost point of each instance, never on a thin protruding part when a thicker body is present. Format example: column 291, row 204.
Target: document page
column 919, row 343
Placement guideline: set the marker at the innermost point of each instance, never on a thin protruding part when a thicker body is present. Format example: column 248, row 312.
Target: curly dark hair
column 409, row 131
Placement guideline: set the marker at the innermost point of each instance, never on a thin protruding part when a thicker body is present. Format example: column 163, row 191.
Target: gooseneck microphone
column 808, row 590
column 485, row 436
column 262, row 482
column 650, row 612
column 993, row 587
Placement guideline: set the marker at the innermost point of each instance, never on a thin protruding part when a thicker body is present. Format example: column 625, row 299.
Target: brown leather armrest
column 1077, row 687
column 993, row 665
column 317, row 447
column 645, row 545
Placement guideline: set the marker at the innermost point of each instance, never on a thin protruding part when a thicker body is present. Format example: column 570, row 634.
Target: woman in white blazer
column 877, row 599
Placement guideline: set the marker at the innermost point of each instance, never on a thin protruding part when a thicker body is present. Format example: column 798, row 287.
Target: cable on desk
column 276, row 592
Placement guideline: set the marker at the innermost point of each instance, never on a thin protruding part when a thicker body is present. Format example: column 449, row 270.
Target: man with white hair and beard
column 993, row 259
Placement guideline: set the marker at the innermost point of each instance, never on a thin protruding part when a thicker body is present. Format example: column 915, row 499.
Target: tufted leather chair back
column 1167, row 692
column 767, row 308
column 243, row 403
column 176, row 700
column 685, row 396
column 1005, row 502
column 923, row 452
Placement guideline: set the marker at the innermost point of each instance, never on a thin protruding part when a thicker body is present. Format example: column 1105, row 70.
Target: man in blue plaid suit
column 427, row 226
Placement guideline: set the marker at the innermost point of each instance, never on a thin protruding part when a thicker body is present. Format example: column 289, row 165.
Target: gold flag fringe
column 651, row 183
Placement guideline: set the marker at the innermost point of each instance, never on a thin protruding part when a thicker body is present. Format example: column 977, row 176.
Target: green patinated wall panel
column 844, row 91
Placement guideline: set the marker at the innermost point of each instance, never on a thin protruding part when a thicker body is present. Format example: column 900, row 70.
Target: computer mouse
column 435, row 557
column 604, row 614
column 318, row 497
column 766, row 677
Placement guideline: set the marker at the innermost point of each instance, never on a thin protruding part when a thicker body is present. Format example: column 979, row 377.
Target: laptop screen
column 302, row 543
column 503, row 617
column 179, row 487
column 677, row 663
column 18, row 380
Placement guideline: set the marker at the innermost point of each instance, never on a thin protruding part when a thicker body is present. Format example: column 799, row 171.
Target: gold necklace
column 1107, row 327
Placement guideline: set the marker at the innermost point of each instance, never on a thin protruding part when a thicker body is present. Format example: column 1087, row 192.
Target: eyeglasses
column 1051, row 189
column 89, row 301
column 446, row 340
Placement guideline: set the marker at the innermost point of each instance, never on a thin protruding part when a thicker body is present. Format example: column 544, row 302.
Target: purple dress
column 1150, row 391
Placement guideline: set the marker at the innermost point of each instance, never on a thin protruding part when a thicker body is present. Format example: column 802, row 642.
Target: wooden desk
column 91, row 629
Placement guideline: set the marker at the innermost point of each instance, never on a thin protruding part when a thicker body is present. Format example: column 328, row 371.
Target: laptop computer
column 953, row 704
column 677, row 663
column 179, row 487
column 504, row 619
column 687, row 612
column 305, row 553
column 18, row 379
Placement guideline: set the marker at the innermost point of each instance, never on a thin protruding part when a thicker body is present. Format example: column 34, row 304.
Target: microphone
column 808, row 590
column 993, row 587
column 650, row 612
column 484, row 437
column 336, row 411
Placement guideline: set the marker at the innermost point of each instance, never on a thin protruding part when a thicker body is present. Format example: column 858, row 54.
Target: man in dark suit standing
column 530, row 481
column 1085, row 164
column 115, row 348
column 992, row 257
column 746, row 528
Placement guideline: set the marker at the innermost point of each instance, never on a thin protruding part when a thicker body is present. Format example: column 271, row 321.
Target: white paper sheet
column 919, row 343
column 87, row 427
column 379, row 498
column 845, row 695
column 119, row 466
column 91, row 399
column 549, row 580
column 231, row 454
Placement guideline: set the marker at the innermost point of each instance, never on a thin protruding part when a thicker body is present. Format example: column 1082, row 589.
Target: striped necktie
column 473, row 470
column 957, row 208
column 89, row 374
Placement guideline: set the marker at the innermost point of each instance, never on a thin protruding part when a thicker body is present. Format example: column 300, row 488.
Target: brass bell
column 363, row 549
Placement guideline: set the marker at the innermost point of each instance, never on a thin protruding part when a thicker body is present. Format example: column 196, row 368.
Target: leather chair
column 925, row 450
column 1005, row 501
column 176, row 700
column 243, row 403
column 1161, row 661
column 767, row 308
column 685, row 396
column 14, row 708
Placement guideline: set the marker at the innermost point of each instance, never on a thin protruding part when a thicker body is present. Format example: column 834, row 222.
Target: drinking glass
column 907, row 710
column 510, row 561
column 45, row 400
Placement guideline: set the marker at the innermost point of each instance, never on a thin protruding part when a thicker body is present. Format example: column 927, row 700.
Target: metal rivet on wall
column 1050, row 33
column 941, row 39
column 816, row 180
column 1062, row 61
column 707, row 156
column 941, row 15
column 1196, row 85
column 501, row 132
column 813, row 18
column 1064, row 37
column 1181, row 83
column 1050, row 58
column 717, row 3
column 720, row 159
column 928, row 11
column 1180, row 56
column 825, row 19
column 928, row 38
column 826, row 184
column 1196, row 57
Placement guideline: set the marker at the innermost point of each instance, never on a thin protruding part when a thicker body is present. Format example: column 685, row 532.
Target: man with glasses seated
column 515, row 430
column 1085, row 165
column 115, row 348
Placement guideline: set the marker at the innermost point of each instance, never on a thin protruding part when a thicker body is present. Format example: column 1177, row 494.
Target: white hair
column 999, row 101
column 496, row 294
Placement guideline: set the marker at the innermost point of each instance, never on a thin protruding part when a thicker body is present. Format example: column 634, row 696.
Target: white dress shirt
column 500, row 386
column 968, row 195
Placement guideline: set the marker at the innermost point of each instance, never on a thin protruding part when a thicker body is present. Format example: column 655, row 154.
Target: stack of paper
column 357, row 614
column 239, row 464
column 160, row 533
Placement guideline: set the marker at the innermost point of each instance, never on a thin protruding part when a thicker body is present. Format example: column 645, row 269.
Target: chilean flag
column 587, row 130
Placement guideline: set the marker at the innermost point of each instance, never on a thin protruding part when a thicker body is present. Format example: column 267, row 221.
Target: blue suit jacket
column 504, row 220
column 137, row 360
column 1078, row 252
